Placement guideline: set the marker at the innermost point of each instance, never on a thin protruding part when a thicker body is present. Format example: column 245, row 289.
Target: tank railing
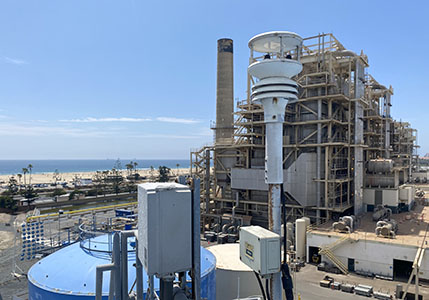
column 321, row 43
column 291, row 54
column 88, row 240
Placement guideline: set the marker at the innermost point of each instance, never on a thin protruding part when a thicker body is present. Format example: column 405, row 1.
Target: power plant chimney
column 224, row 92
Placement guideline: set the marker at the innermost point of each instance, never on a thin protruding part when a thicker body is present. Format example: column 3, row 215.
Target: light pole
column 60, row 212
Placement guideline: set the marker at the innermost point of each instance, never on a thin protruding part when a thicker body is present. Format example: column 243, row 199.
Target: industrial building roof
column 411, row 228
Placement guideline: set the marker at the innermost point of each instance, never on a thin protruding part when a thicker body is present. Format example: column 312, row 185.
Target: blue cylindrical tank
column 69, row 273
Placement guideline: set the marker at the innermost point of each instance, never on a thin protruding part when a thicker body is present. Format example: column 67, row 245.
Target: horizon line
column 26, row 159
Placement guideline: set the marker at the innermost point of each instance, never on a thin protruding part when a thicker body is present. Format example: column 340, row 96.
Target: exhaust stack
column 224, row 92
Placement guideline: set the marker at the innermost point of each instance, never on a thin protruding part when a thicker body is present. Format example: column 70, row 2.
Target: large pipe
column 124, row 252
column 166, row 288
column 224, row 91
column 179, row 294
column 151, row 288
column 116, row 254
column 115, row 275
column 99, row 279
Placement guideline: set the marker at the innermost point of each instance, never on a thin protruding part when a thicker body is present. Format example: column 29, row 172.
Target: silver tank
column 379, row 181
column 380, row 165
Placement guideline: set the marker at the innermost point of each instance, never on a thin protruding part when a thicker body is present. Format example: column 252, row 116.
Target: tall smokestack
column 224, row 92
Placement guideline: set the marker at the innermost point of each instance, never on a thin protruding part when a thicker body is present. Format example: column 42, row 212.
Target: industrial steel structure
column 340, row 121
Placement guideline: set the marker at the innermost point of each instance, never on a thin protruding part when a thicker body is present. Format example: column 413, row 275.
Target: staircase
column 327, row 250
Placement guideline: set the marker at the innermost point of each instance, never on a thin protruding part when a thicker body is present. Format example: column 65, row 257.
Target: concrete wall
column 369, row 196
column 370, row 256
column 390, row 196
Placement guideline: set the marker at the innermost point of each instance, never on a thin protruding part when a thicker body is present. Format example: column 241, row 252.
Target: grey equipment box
column 164, row 228
column 260, row 249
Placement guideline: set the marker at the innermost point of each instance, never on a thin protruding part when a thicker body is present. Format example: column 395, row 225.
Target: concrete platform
column 411, row 227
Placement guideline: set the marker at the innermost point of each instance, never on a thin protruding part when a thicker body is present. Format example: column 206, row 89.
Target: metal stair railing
column 327, row 250
column 337, row 243
column 331, row 256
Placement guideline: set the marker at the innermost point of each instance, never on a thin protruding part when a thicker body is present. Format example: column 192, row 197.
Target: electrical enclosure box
column 260, row 249
column 164, row 228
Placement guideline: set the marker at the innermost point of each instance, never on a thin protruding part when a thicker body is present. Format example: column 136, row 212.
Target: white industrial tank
column 300, row 238
column 307, row 221
column 233, row 278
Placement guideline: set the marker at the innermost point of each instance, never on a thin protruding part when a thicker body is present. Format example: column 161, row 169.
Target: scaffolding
column 340, row 121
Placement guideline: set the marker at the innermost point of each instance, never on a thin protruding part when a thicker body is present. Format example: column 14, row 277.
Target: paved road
column 307, row 285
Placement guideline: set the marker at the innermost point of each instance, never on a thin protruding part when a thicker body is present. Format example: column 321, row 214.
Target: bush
column 29, row 193
column 8, row 202
column 58, row 192
column 164, row 173
column 73, row 194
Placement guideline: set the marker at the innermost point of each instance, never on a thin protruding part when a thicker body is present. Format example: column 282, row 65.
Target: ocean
column 84, row 165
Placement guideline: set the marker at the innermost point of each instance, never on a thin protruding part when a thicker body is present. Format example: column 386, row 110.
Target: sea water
column 85, row 165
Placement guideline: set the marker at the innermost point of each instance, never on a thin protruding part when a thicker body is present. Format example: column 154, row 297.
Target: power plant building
column 336, row 136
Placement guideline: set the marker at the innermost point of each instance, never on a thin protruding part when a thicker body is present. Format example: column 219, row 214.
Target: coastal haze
column 13, row 167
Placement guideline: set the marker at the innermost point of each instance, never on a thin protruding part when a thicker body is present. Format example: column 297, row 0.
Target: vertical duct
column 224, row 92
column 387, row 104
column 359, row 91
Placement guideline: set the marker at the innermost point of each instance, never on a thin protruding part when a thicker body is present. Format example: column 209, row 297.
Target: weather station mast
column 272, row 87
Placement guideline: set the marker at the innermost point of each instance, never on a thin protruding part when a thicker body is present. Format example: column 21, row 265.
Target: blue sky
column 137, row 79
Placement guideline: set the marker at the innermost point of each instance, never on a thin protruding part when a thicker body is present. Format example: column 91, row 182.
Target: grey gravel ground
column 17, row 285
column 10, row 285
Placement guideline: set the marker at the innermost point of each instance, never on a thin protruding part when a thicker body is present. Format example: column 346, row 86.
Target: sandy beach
column 69, row 177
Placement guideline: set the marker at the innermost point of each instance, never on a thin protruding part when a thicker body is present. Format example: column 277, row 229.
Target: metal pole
column 207, row 180
column 166, row 288
column 59, row 229
column 14, row 248
column 139, row 273
column 196, row 240
column 151, row 288
column 417, row 284
column 124, row 261
column 115, row 276
column 274, row 176
column 274, row 98
column 117, row 262
column 319, row 158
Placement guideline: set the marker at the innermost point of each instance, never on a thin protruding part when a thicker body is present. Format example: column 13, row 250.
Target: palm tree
column 135, row 166
column 129, row 168
column 30, row 167
column 152, row 171
column 177, row 166
column 25, row 171
column 56, row 177
column 19, row 179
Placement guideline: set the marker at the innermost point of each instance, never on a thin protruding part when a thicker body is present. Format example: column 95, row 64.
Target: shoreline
column 48, row 178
